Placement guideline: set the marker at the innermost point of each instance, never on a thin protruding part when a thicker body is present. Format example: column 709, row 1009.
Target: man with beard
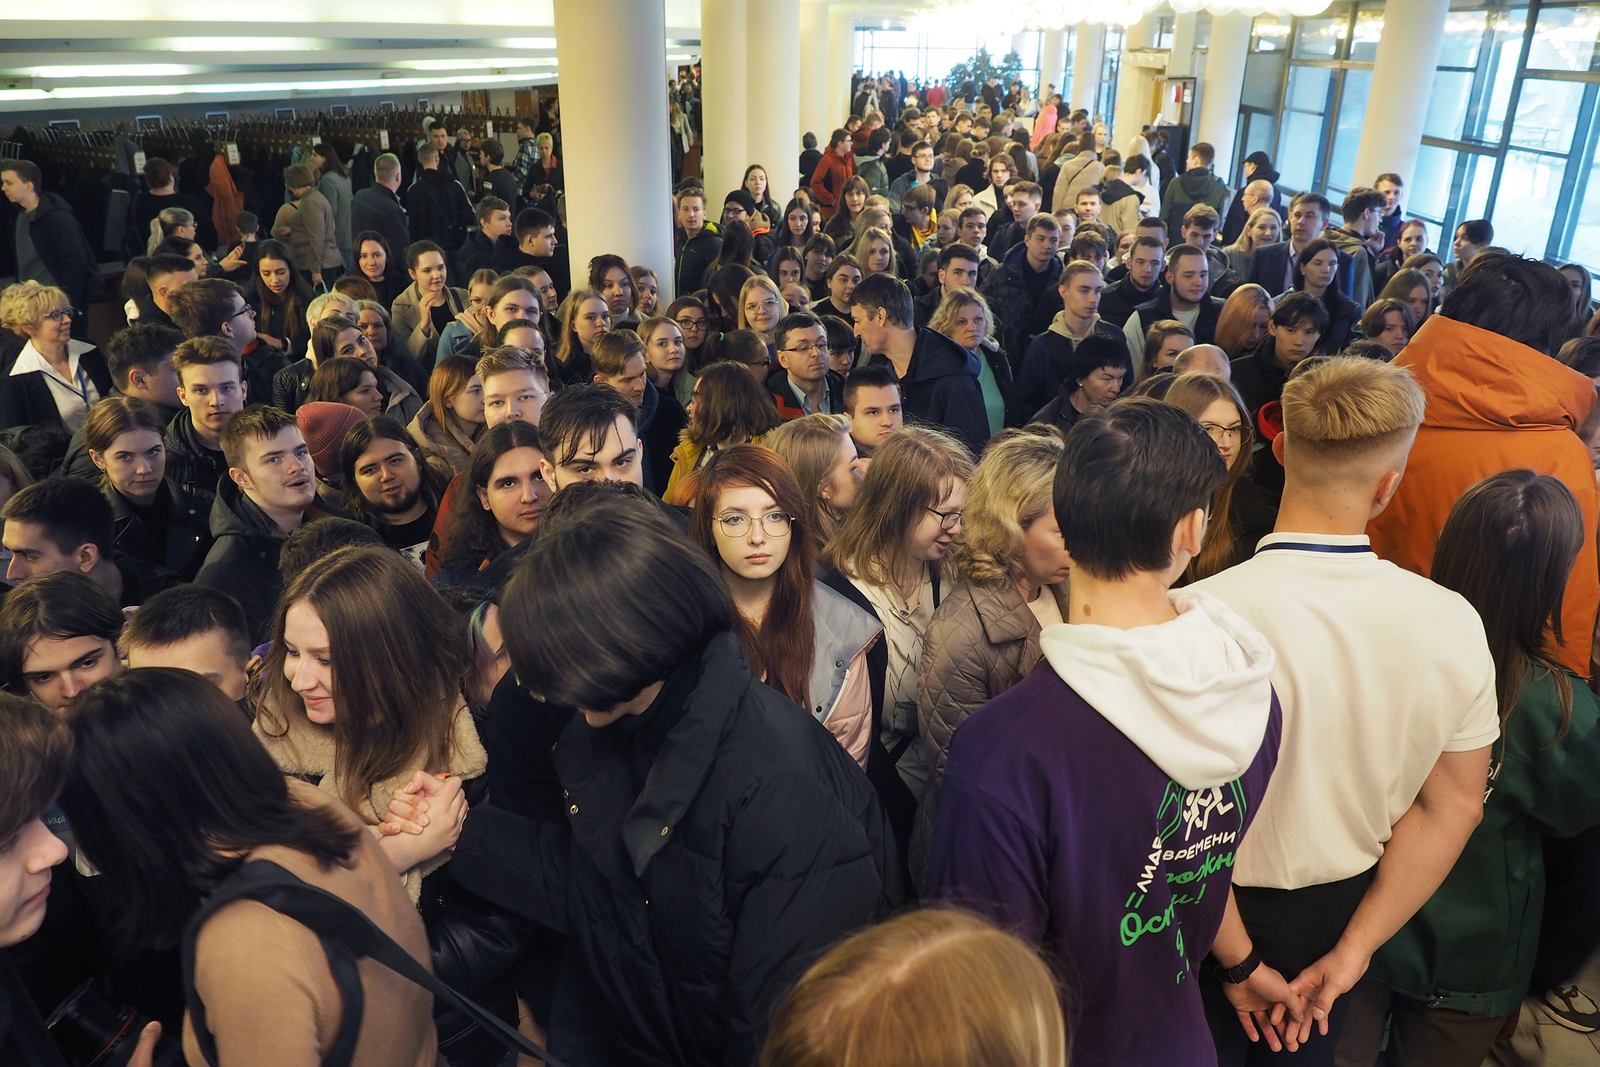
column 390, row 485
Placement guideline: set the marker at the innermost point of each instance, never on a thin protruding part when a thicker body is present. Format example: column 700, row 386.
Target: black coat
column 439, row 209
column 376, row 208
column 26, row 399
column 180, row 548
column 292, row 384
column 192, row 467
column 24, row 1042
column 243, row 560
column 65, row 251
column 941, row 389
column 1118, row 300
column 476, row 253
column 712, row 848
column 692, row 258
column 1269, row 264
column 1205, row 324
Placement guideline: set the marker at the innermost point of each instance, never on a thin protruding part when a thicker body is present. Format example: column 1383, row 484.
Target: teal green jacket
column 1471, row 947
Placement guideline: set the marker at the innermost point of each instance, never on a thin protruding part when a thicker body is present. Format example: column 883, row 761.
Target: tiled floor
column 1541, row 1042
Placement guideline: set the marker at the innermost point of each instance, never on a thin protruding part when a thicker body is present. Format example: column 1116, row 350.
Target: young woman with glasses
column 1240, row 512
column 800, row 637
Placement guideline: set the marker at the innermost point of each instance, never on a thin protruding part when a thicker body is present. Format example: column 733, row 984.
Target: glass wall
column 923, row 55
column 1512, row 129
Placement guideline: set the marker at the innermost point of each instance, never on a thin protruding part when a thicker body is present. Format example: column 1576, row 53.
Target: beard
column 382, row 505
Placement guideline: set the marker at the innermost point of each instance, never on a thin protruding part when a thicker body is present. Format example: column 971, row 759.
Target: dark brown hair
column 728, row 404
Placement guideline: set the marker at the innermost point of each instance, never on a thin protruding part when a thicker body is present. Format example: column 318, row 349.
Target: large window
column 929, row 55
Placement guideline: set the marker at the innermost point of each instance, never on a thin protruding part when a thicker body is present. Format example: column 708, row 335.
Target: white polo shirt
column 1379, row 671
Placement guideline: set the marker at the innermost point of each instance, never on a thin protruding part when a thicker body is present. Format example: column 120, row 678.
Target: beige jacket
column 307, row 751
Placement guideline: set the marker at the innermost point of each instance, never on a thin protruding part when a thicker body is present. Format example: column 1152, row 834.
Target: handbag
column 347, row 937
column 475, row 948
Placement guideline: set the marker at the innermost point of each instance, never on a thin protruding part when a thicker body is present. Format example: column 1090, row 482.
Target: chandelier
column 1057, row 14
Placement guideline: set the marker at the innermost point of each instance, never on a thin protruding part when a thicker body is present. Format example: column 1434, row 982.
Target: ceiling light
column 112, row 70
column 241, row 44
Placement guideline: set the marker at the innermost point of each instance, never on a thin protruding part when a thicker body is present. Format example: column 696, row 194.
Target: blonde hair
column 1194, row 392
column 912, row 471
column 810, row 446
column 931, row 988
column 23, row 305
column 868, row 235
column 1010, row 488
column 944, row 316
column 1246, row 243
column 1347, row 407
column 317, row 310
column 760, row 281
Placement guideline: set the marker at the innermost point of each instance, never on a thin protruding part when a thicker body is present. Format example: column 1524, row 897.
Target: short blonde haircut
column 944, row 316
column 317, row 310
column 931, row 987
column 24, row 305
column 760, row 281
column 810, row 446
column 1011, row 488
column 912, row 471
column 1347, row 407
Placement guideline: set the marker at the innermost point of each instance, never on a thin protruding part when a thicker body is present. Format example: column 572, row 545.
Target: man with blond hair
column 1389, row 712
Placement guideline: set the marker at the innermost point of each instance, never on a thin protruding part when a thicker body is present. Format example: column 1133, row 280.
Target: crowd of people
column 1016, row 602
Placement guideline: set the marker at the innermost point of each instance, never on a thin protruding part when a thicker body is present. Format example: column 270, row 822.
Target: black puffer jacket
column 191, row 466
column 713, row 847
column 243, row 560
column 941, row 389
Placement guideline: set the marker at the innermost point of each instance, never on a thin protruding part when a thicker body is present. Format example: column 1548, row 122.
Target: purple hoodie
column 1094, row 810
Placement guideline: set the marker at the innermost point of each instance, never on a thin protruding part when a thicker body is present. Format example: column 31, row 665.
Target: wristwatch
column 1241, row 970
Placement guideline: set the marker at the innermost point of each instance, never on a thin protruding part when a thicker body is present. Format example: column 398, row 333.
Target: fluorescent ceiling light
column 476, row 63
column 93, row 92
column 536, row 43
column 241, row 44
column 113, row 70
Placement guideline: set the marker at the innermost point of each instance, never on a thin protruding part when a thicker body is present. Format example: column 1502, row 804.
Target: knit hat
column 744, row 199
column 324, row 426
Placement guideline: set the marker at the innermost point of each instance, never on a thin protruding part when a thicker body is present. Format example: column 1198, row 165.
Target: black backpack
column 347, row 937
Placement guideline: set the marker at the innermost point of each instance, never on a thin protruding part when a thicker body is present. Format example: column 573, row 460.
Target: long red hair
column 782, row 648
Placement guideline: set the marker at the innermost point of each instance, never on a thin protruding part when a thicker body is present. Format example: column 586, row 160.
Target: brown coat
column 983, row 640
column 270, row 998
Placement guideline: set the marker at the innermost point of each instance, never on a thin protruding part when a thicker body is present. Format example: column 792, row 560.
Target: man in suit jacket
column 378, row 206
column 1272, row 266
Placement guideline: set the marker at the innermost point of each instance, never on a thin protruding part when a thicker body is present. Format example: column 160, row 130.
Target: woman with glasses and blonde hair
column 799, row 637
column 891, row 556
column 728, row 407
column 984, row 638
column 965, row 318
column 1242, row 322
column 934, row 986
column 761, row 306
column 55, row 379
column 823, row 456
column 1240, row 512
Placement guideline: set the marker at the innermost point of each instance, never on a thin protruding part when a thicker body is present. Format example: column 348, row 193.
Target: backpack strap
column 347, row 936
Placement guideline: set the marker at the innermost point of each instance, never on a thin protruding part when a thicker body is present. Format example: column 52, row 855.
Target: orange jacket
column 1494, row 405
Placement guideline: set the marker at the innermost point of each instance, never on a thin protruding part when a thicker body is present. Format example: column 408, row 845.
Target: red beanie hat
column 324, row 425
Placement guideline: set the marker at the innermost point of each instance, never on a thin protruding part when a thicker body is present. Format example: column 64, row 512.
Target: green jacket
column 1471, row 947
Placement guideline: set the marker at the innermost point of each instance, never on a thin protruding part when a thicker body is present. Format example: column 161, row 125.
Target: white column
column 1220, row 87
column 815, row 114
column 774, row 86
column 1135, row 89
column 1088, row 57
column 724, row 94
column 1180, row 60
column 841, row 64
column 599, row 68
column 1402, row 77
column 1053, row 61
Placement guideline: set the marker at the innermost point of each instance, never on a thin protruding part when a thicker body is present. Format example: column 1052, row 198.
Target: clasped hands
column 1281, row 1012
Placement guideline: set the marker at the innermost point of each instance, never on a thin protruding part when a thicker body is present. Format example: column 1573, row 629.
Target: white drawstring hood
column 1193, row 693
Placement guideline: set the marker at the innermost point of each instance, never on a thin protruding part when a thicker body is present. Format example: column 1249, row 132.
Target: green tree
column 981, row 67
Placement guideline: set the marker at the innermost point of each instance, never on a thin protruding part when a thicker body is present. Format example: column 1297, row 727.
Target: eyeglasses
column 1220, row 433
column 691, row 324
column 808, row 349
column 948, row 520
column 246, row 310
column 58, row 314
column 773, row 524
